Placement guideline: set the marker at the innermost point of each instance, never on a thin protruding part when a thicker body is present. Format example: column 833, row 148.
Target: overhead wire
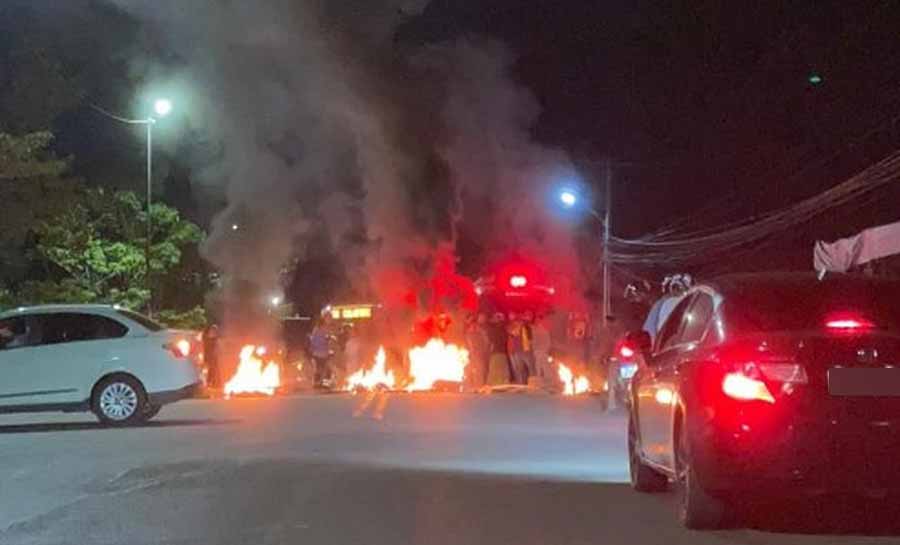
column 757, row 228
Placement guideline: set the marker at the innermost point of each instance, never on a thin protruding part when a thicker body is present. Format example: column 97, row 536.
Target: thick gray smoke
column 324, row 124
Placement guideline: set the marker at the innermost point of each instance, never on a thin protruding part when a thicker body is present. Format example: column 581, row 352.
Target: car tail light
column 752, row 381
column 848, row 324
column 740, row 386
column 758, row 370
column 180, row 348
column 785, row 373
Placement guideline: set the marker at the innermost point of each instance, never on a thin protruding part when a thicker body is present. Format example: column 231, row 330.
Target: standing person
column 541, row 343
column 674, row 289
column 320, row 348
column 517, row 348
column 211, row 357
column 498, row 371
column 528, row 342
column 479, row 345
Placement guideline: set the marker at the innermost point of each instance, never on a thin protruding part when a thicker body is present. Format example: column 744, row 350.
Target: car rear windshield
column 805, row 305
column 141, row 319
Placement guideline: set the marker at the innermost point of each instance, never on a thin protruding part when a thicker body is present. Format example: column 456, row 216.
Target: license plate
column 878, row 382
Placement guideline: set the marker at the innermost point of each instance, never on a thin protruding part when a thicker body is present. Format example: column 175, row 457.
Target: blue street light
column 568, row 198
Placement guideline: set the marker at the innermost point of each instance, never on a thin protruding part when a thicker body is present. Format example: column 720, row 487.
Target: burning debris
column 376, row 378
column 253, row 375
column 572, row 385
column 436, row 362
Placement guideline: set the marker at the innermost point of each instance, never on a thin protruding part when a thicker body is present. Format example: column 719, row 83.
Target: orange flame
column 572, row 385
column 436, row 361
column 252, row 375
column 377, row 376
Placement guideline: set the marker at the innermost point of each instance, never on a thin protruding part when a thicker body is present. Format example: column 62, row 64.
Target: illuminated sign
column 354, row 312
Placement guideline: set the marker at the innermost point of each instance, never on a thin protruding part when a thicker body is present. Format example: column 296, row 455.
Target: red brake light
column 848, row 324
column 626, row 351
column 180, row 348
column 759, row 370
column 740, row 386
column 518, row 281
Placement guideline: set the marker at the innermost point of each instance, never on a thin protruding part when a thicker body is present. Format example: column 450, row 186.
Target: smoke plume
column 325, row 127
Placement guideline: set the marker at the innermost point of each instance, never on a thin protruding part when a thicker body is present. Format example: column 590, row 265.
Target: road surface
column 401, row 469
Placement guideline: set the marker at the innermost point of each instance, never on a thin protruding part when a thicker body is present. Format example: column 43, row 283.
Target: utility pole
column 607, row 178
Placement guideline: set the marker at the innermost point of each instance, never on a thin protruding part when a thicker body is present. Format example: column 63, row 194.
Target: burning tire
column 120, row 400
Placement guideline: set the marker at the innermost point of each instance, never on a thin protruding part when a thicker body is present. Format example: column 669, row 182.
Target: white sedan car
column 118, row 364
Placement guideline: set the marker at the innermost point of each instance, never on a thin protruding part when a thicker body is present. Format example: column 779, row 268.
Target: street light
column 569, row 199
column 161, row 107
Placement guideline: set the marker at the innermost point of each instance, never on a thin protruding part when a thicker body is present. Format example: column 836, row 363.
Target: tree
column 32, row 189
column 26, row 157
column 94, row 251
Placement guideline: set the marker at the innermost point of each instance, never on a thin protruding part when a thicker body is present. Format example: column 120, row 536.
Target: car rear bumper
column 171, row 396
column 830, row 456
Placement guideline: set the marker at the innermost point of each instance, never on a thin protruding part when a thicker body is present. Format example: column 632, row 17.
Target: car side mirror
column 638, row 341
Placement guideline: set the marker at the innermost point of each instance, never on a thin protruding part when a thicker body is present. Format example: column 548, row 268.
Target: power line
column 755, row 229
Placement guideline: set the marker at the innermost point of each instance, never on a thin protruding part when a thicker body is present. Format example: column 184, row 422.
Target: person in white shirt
column 675, row 287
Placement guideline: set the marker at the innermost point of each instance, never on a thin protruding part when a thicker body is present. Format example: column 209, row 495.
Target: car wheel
column 151, row 410
column 697, row 508
column 643, row 477
column 119, row 400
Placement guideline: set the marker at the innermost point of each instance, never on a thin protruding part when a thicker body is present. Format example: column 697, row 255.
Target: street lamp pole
column 607, row 302
column 570, row 198
column 161, row 107
column 147, row 243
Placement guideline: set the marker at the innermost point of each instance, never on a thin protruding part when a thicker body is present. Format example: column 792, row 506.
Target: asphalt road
column 400, row 469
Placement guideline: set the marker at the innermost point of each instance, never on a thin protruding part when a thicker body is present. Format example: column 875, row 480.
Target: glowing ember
column 377, row 376
column 573, row 385
column 436, row 361
column 253, row 376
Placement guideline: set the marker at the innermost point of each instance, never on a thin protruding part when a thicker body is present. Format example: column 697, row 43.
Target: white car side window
column 13, row 333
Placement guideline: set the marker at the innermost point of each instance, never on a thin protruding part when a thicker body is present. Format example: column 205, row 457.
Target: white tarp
column 846, row 253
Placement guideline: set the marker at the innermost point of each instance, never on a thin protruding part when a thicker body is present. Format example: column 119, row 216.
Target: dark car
column 769, row 385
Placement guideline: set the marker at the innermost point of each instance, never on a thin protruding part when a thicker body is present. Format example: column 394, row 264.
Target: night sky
column 708, row 105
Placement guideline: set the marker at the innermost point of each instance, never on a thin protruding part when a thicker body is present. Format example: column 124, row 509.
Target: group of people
column 506, row 348
column 503, row 348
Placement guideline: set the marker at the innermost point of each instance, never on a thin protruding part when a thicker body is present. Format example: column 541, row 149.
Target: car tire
column 151, row 410
column 697, row 508
column 643, row 477
column 119, row 400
